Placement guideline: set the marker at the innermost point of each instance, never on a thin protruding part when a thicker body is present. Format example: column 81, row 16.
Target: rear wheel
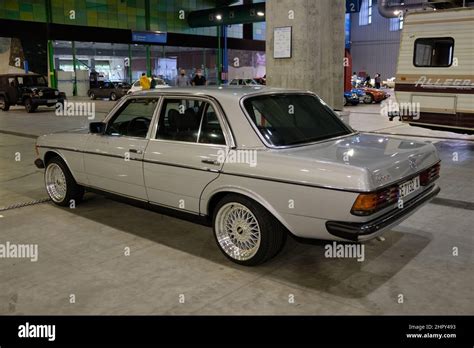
column 92, row 95
column 60, row 184
column 246, row 232
column 29, row 106
column 4, row 104
column 113, row 96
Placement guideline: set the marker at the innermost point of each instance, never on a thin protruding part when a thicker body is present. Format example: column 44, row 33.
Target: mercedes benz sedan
column 256, row 163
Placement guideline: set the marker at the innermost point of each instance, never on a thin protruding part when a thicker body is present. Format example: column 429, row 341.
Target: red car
column 374, row 95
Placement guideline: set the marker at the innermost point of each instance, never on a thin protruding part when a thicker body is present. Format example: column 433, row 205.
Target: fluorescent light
column 219, row 17
column 260, row 13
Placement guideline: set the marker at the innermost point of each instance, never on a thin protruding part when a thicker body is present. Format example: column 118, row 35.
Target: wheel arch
column 213, row 198
column 51, row 153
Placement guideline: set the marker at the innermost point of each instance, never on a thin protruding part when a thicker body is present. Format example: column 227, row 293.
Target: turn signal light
column 369, row 203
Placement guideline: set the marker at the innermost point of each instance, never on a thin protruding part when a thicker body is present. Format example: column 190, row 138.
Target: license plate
column 50, row 101
column 408, row 187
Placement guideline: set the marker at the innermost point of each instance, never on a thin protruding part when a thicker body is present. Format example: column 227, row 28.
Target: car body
column 257, row 163
column 243, row 82
column 109, row 90
column 30, row 90
column 160, row 83
column 351, row 98
column 374, row 95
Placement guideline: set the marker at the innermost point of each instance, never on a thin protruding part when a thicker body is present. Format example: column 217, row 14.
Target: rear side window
column 434, row 52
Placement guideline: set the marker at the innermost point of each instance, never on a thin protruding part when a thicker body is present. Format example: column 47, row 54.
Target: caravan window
column 434, row 52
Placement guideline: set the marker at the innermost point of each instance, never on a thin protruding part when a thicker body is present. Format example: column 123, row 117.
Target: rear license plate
column 51, row 101
column 409, row 186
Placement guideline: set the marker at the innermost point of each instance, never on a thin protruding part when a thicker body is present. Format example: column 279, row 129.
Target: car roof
column 222, row 91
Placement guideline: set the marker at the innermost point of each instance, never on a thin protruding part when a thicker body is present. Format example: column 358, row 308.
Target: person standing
column 144, row 82
column 378, row 81
column 199, row 79
column 153, row 82
column 182, row 79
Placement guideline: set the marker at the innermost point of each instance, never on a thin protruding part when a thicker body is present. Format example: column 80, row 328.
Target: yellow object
column 144, row 82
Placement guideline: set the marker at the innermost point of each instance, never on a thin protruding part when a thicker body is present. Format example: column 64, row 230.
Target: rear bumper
column 356, row 231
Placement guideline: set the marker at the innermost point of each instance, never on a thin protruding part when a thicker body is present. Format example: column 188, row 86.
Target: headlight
column 56, row 93
column 40, row 93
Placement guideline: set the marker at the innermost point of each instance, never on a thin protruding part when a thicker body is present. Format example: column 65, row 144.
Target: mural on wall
column 18, row 55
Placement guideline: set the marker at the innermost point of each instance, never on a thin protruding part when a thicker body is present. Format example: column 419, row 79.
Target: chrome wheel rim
column 55, row 182
column 237, row 231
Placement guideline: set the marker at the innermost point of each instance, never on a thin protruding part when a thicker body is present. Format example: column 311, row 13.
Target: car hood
column 360, row 162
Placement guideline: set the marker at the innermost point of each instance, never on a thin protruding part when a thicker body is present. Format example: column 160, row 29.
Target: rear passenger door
column 186, row 152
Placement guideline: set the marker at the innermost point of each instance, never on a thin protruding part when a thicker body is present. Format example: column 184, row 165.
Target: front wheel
column 246, row 232
column 29, row 106
column 113, row 96
column 60, row 184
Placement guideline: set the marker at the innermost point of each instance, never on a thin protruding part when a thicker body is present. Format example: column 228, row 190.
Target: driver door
column 113, row 160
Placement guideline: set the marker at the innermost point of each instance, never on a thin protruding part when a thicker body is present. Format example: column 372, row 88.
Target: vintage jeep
column 30, row 90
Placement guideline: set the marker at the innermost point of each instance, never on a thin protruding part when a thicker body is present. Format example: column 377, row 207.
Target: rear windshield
column 292, row 119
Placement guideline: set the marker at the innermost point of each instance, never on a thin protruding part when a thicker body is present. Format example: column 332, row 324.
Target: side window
column 133, row 119
column 234, row 83
column 11, row 81
column 189, row 120
column 434, row 52
column 179, row 120
column 137, row 84
column 211, row 131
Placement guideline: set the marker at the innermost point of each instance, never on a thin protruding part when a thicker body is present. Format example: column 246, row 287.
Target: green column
column 219, row 55
column 148, row 26
column 74, row 88
column 52, row 71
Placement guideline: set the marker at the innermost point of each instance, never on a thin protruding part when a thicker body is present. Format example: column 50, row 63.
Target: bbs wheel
column 60, row 184
column 246, row 232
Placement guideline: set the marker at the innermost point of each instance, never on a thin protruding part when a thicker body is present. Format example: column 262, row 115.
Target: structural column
column 317, row 61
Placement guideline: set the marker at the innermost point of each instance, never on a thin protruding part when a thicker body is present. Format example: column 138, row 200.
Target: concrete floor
column 81, row 251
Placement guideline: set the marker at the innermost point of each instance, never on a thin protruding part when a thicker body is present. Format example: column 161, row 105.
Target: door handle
column 210, row 161
column 138, row 152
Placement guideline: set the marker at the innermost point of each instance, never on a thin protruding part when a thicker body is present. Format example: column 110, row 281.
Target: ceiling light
column 219, row 17
column 260, row 13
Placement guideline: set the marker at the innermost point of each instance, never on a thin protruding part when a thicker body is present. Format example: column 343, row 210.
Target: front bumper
column 357, row 231
column 49, row 101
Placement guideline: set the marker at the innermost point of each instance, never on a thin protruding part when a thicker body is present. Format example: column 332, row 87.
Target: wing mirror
column 97, row 127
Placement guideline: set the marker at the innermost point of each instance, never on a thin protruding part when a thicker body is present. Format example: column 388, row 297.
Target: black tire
column 5, row 104
column 74, row 191
column 368, row 99
column 354, row 103
column 113, row 96
column 273, row 234
column 29, row 106
column 346, row 101
column 92, row 95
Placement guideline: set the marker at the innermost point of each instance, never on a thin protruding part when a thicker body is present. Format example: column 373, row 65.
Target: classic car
column 351, row 98
column 255, row 163
column 29, row 90
column 374, row 95
column 109, row 90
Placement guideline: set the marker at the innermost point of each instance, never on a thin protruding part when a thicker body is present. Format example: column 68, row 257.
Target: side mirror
column 97, row 127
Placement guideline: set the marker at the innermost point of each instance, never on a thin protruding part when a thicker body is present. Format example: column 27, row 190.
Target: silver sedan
column 255, row 163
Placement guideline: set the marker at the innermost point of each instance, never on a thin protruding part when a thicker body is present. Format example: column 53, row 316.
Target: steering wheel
column 132, row 122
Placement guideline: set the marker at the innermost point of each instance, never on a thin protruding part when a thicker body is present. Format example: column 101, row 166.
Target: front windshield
column 291, row 119
column 31, row 81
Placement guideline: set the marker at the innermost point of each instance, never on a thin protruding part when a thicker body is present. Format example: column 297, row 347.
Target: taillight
column 369, row 203
column 429, row 175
